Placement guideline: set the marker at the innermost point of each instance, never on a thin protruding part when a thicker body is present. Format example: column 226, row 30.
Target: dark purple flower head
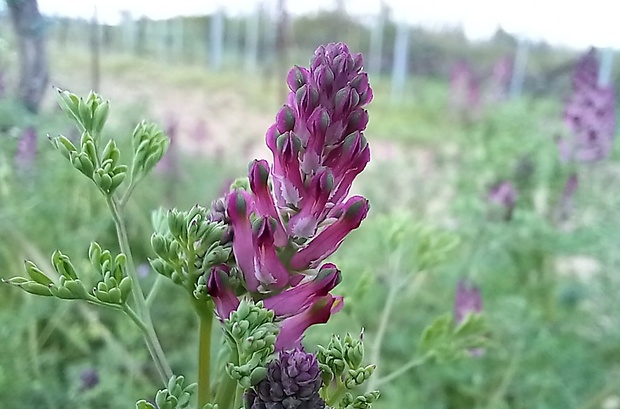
column 89, row 378
column 293, row 382
column 26, row 153
column 589, row 115
column 467, row 300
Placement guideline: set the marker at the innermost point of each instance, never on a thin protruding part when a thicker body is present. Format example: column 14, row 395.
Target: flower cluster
column 295, row 213
column 293, row 382
column 467, row 300
column 589, row 114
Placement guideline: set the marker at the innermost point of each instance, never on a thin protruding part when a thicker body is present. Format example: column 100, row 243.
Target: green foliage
column 250, row 333
column 551, row 314
column 175, row 396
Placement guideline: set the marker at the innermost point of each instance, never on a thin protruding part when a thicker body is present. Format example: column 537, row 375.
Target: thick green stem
column 205, row 314
column 227, row 388
column 142, row 315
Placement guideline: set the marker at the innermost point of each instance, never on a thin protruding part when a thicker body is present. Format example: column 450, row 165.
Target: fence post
column 606, row 67
column 399, row 66
column 95, row 51
column 376, row 41
column 217, row 38
column 520, row 66
column 252, row 32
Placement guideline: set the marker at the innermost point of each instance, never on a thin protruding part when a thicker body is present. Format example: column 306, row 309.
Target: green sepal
column 69, row 104
column 76, row 288
column 29, row 286
column 142, row 404
column 125, row 286
column 36, row 274
column 85, row 115
column 62, row 264
column 100, row 116
column 64, row 145
column 62, row 292
column 94, row 253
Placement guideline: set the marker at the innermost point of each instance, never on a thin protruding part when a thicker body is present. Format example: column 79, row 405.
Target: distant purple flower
column 143, row 270
column 293, row 382
column 200, row 133
column 26, row 153
column 501, row 75
column 464, row 90
column 504, row 195
column 168, row 163
column 89, row 378
column 467, row 300
column 589, row 115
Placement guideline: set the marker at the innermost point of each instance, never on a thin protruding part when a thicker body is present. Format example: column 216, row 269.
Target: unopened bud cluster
column 112, row 285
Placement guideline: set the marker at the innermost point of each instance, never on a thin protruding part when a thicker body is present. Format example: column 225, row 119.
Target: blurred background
column 493, row 160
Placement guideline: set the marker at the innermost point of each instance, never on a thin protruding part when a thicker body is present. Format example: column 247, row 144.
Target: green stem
column 414, row 363
column 385, row 318
column 205, row 314
column 142, row 315
column 162, row 367
column 132, row 185
column 34, row 356
column 335, row 397
column 154, row 290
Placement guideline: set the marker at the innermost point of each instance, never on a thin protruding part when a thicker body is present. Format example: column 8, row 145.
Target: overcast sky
column 573, row 23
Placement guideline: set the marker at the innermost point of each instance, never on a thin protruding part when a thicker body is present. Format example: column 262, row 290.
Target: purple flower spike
column 325, row 243
column 589, row 115
column 293, row 328
column 296, row 299
column 26, row 153
column 223, row 296
column 467, row 300
column 239, row 206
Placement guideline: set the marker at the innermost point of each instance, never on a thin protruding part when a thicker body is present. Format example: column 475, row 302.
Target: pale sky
column 573, row 23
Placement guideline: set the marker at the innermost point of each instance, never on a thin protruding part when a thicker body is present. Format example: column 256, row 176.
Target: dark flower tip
column 293, row 382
